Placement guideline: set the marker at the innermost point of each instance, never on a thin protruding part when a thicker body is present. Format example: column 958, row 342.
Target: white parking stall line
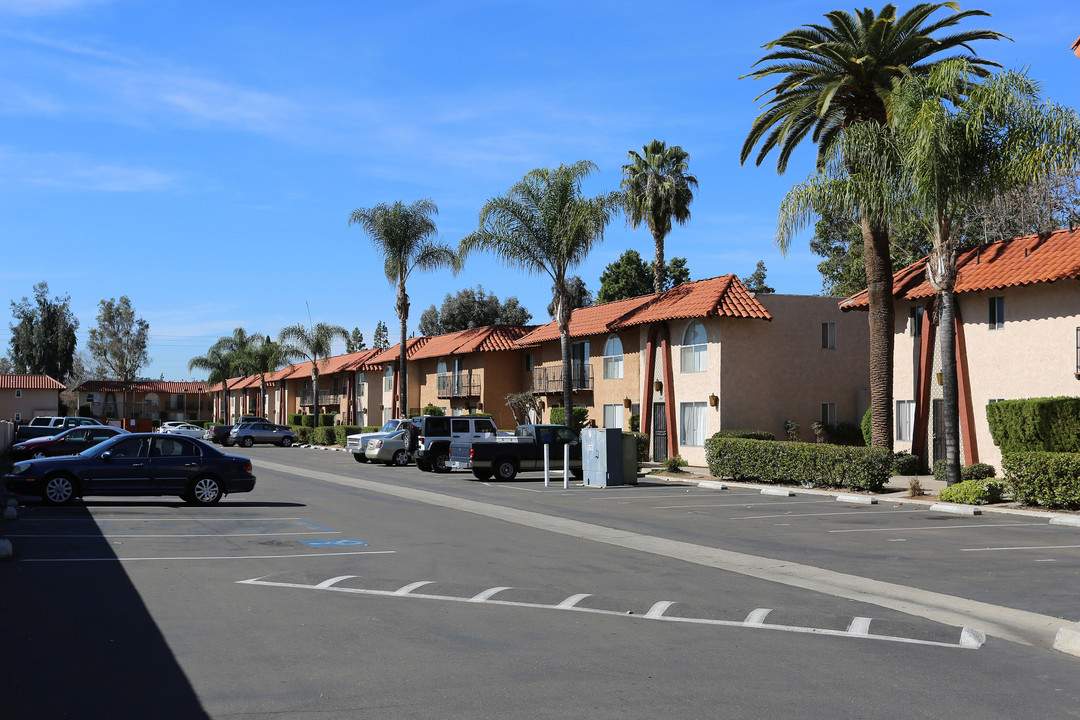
column 940, row 527
column 969, row 639
column 487, row 594
column 209, row 557
column 798, row 515
column 333, row 581
column 140, row 536
column 743, row 504
column 1023, row 547
column 859, row 626
column 412, row 586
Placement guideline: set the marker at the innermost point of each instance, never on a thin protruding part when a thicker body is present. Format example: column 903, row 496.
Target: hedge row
column 1051, row 480
column 1036, row 424
column 974, row 492
column 745, row 434
column 642, row 441
column 806, row 464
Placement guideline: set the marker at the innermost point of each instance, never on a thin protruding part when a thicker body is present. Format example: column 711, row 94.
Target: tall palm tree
column 403, row 236
column 544, row 226
column 310, row 343
column 266, row 358
column 837, row 76
column 658, row 189
column 220, row 366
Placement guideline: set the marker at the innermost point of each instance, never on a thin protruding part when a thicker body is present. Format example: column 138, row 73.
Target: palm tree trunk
column 950, row 391
column 659, row 271
column 315, row 392
column 402, row 308
column 879, row 285
column 568, row 377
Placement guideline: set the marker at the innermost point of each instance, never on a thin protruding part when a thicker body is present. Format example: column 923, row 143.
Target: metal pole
column 547, row 465
column 566, row 466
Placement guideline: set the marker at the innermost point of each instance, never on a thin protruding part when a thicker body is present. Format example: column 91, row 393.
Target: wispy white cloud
column 77, row 172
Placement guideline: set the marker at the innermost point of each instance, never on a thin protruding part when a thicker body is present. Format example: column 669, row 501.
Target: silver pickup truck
column 505, row 457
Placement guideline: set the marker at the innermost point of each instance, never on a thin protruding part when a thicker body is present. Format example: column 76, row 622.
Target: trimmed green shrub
column 974, row 492
column 307, row 421
column 303, row 433
column 904, row 463
column 578, row 420
column 323, row 435
column 642, row 441
column 295, row 419
column 674, row 463
column 1050, row 480
column 976, row 471
column 341, row 432
column 327, row 419
column 635, row 423
column 433, row 410
column 1036, row 424
column 845, row 433
column 806, row 464
column 867, row 428
column 370, row 428
column 745, row 434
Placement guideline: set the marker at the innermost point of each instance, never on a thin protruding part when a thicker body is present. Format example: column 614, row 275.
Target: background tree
column 43, row 336
column 838, row 76
column 630, row 276
column 382, row 336
column 546, row 227
column 266, row 357
column 6, row 368
column 355, row 342
column 471, row 308
column 755, row 282
column 220, row 367
column 677, row 273
column 314, row 343
column 577, row 295
column 118, row 343
column 658, row 189
column 403, row 236
column 1052, row 203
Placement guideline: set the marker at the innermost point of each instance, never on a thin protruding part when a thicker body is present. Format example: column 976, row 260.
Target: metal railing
column 326, row 397
column 549, row 380
column 453, row 385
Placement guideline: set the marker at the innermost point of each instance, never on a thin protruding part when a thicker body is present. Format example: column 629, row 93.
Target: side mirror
column 107, row 455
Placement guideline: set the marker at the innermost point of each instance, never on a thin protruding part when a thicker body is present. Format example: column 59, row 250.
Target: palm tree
column 544, row 226
column 658, row 189
column 838, row 76
column 402, row 235
column 220, row 366
column 310, row 343
column 266, row 358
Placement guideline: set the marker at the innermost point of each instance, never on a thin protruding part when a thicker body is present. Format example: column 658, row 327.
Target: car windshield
column 390, row 426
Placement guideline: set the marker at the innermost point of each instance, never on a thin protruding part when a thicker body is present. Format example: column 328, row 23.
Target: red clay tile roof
column 393, row 353
column 163, row 386
column 491, row 338
column 1010, row 263
column 29, row 382
column 723, row 296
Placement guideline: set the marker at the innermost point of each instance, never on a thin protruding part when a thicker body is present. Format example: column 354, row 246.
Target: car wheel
column 205, row 490
column 360, row 457
column 401, row 458
column 58, row 490
column 439, row 458
column 505, row 469
column 247, row 442
column 481, row 474
column 423, row 465
column 286, row 442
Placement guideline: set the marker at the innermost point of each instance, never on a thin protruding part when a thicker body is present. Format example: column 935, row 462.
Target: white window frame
column 828, row 336
column 905, row 420
column 996, row 315
column 693, row 423
column 694, row 356
column 613, row 361
column 18, row 392
column 613, row 415
column 388, row 380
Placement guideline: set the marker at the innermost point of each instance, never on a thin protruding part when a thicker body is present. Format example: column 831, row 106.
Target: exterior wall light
column 713, row 400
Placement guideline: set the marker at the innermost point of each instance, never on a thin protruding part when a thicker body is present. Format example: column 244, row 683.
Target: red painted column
column 963, row 382
column 669, row 394
column 646, row 394
column 922, row 384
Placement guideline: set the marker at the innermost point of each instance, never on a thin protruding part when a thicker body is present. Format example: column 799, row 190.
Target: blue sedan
column 136, row 464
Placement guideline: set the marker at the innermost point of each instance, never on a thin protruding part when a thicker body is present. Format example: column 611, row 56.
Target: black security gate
column 659, row 437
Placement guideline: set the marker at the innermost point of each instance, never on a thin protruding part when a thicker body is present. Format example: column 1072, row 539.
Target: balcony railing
column 549, row 380
column 326, row 397
column 454, row 385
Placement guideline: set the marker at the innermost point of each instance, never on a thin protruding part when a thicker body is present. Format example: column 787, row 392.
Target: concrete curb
column 1070, row 520
column 955, row 509
column 858, row 499
column 712, row 485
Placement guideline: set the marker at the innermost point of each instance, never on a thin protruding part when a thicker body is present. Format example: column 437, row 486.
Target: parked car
column 218, row 434
column 357, row 444
column 249, row 419
column 135, row 464
column 69, row 442
column 390, row 449
column 46, row 426
column 183, row 428
column 247, row 434
column 504, row 457
column 436, row 432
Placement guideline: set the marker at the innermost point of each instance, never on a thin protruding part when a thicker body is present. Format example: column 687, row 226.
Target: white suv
column 436, row 432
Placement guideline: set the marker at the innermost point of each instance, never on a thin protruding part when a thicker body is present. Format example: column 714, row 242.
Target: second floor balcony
column 549, row 380
column 326, row 397
column 455, row 385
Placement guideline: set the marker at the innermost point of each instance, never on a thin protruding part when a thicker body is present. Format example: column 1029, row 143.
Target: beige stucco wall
column 1033, row 355
column 31, row 404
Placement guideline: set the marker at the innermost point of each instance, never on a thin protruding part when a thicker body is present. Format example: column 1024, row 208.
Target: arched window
column 152, row 400
column 613, row 359
column 694, row 348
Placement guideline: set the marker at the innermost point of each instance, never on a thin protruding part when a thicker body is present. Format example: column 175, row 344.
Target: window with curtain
column 694, row 353
column 693, row 424
column 905, row 419
column 613, row 359
column 388, row 379
column 613, row 416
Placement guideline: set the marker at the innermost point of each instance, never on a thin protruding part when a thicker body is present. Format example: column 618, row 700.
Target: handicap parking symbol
column 332, row 543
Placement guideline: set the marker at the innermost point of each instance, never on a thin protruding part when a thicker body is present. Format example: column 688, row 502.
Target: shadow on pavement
column 78, row 641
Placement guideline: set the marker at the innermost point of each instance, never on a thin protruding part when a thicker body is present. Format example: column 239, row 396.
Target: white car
column 183, row 428
column 357, row 444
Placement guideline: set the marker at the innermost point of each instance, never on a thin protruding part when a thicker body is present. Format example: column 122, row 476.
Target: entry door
column 939, row 431
column 659, row 438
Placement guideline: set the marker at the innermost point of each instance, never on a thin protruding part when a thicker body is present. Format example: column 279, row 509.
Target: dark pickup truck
column 47, row 426
column 505, row 457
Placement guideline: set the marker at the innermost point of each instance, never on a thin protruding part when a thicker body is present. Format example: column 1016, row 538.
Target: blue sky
column 203, row 158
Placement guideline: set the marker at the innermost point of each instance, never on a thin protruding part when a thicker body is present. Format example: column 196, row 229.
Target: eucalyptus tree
column 313, row 343
column 404, row 235
column 837, row 76
column 545, row 226
column 658, row 189
column 942, row 158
